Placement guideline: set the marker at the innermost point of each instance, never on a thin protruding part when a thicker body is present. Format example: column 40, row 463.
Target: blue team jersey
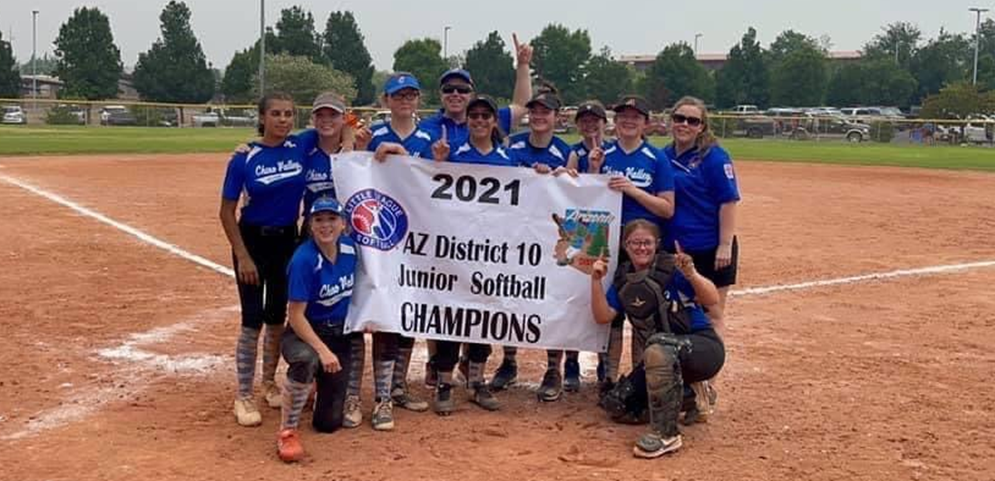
column 678, row 289
column 459, row 133
column 582, row 154
column 702, row 185
column 525, row 154
column 271, row 179
column 317, row 178
column 325, row 285
column 468, row 154
column 648, row 169
column 418, row 144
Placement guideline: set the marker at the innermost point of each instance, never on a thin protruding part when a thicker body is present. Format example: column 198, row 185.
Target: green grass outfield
column 57, row 140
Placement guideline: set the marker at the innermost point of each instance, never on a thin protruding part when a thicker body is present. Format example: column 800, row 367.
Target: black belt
column 272, row 230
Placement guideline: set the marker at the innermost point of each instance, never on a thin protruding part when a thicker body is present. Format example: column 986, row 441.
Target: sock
column 295, row 395
column 510, row 354
column 446, row 377
column 553, row 358
column 356, row 367
column 383, row 372
column 245, row 360
column 401, row 363
column 271, row 351
column 573, row 356
column 476, row 373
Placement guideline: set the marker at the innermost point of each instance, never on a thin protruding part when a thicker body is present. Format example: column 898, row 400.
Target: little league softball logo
column 377, row 220
column 583, row 236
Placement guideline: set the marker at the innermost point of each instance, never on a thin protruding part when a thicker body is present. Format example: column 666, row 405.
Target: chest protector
column 644, row 298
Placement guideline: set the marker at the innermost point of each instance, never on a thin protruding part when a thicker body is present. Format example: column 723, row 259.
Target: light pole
column 977, row 39
column 696, row 37
column 445, row 43
column 34, row 59
column 262, row 47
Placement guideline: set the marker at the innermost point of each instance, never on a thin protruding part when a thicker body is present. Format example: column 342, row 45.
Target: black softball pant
column 271, row 249
column 304, row 366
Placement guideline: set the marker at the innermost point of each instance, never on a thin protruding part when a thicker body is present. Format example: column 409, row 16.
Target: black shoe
column 505, row 376
column 571, row 374
column 550, row 388
column 483, row 397
column 443, row 404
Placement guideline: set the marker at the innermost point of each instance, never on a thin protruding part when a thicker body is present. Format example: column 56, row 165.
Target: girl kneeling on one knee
column 321, row 276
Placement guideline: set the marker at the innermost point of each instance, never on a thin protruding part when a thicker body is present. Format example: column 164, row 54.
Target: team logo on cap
column 377, row 220
column 631, row 102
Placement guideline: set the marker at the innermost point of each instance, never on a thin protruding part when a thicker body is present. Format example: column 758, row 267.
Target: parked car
column 840, row 127
column 750, row 126
column 745, row 110
column 216, row 117
column 14, row 114
column 117, row 115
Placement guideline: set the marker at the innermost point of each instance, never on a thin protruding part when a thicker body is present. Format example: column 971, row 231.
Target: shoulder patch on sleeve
column 730, row 173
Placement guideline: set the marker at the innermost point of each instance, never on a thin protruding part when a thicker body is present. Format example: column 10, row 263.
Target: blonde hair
column 706, row 139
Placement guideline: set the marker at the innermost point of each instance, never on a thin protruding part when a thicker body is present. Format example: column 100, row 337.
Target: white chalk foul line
column 941, row 269
column 140, row 235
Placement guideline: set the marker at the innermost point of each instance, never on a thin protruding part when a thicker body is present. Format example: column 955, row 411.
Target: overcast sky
column 643, row 27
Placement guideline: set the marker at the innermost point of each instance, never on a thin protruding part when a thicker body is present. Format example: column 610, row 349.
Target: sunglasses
column 405, row 95
column 480, row 115
column 463, row 89
column 684, row 119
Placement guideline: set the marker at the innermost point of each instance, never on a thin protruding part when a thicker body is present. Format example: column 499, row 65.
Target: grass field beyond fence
column 67, row 140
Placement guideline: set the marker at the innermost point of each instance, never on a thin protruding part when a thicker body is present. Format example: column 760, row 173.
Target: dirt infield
column 118, row 355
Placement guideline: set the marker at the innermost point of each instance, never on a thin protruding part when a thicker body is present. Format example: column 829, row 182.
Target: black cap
column 485, row 100
column 633, row 101
column 545, row 99
column 592, row 107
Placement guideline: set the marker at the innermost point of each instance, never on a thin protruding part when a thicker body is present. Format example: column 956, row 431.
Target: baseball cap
column 633, row 101
column 458, row 73
column 326, row 204
column 485, row 100
column 545, row 99
column 400, row 81
column 592, row 107
column 328, row 100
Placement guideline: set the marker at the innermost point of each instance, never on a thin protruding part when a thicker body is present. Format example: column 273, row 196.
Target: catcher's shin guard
column 664, row 385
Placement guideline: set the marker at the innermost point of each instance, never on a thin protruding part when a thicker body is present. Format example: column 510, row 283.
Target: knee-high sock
column 245, row 360
column 613, row 357
column 295, row 395
column 355, row 384
column 510, row 354
column 271, row 351
column 383, row 371
column 476, row 373
column 553, row 359
column 401, row 363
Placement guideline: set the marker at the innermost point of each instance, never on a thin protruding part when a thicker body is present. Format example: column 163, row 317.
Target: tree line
column 899, row 66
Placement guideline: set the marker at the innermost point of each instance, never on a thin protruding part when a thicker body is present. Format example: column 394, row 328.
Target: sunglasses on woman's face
column 684, row 119
column 480, row 115
column 462, row 89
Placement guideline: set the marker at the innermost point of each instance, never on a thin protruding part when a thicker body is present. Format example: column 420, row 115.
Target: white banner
column 494, row 255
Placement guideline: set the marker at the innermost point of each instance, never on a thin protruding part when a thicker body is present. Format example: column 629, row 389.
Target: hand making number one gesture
column 683, row 261
column 440, row 149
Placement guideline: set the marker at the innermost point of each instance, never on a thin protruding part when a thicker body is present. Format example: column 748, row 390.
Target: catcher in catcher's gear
column 662, row 296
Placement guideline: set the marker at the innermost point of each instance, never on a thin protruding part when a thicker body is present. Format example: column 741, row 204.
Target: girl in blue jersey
column 482, row 147
column 269, row 181
column 540, row 149
column 707, row 194
column 391, row 351
column 588, row 155
column 643, row 175
column 456, row 90
column 327, row 116
column 321, row 277
column 677, row 344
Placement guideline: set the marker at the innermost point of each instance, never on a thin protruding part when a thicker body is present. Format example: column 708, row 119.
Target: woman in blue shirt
column 588, row 155
column 268, row 181
column 707, row 195
column 483, row 147
column 674, row 343
column 321, row 277
column 643, row 175
column 542, row 150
